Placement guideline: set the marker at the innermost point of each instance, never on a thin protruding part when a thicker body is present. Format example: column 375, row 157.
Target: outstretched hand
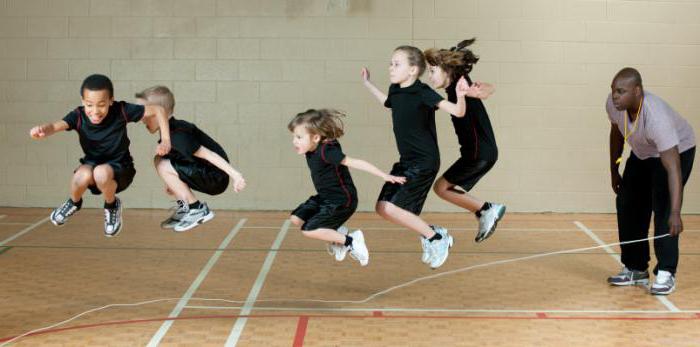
column 37, row 132
column 365, row 74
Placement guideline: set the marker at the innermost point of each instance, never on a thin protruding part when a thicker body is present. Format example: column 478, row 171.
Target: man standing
column 663, row 149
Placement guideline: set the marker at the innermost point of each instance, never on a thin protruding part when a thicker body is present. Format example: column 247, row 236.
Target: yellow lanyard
column 634, row 127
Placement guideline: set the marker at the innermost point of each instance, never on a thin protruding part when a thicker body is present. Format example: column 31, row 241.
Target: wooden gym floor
column 265, row 284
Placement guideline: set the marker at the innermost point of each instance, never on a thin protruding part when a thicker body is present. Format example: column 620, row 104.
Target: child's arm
column 367, row 167
column 460, row 108
column 372, row 88
column 162, row 118
column 41, row 131
column 218, row 161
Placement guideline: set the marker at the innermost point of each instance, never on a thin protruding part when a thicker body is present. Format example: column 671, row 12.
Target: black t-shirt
column 331, row 179
column 413, row 114
column 107, row 141
column 186, row 138
column 474, row 132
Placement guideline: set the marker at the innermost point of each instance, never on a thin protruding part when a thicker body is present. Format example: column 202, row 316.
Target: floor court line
column 158, row 336
column 443, row 310
column 24, row 231
column 240, row 323
column 535, row 317
column 662, row 299
column 474, row 229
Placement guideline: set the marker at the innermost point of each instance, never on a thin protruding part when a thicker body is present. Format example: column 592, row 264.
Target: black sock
column 437, row 236
column 348, row 241
column 110, row 205
column 78, row 204
column 484, row 207
column 195, row 205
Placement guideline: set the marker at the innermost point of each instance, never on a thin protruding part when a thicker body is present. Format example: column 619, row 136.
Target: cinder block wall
column 241, row 69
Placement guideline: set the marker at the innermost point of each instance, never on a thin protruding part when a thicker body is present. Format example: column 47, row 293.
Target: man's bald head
column 630, row 75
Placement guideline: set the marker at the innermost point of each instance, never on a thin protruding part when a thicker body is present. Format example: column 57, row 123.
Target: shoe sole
column 199, row 222
column 450, row 242
column 652, row 292
column 488, row 234
column 630, row 283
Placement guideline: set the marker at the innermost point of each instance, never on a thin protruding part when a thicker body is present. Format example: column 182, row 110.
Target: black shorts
column 411, row 195
column 318, row 213
column 466, row 173
column 124, row 173
column 203, row 178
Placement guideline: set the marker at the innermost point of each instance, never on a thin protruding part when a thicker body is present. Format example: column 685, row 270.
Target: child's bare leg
column 325, row 234
column 167, row 173
column 404, row 218
column 296, row 220
column 82, row 178
column 447, row 191
column 104, row 179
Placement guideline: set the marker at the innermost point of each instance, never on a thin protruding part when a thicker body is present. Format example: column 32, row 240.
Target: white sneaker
column 664, row 283
column 425, row 244
column 358, row 249
column 489, row 220
column 440, row 248
column 113, row 219
column 339, row 251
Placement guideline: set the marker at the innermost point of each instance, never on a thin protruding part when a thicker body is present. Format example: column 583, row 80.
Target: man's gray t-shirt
column 658, row 129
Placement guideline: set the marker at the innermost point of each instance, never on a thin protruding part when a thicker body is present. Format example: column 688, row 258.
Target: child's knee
column 296, row 221
column 102, row 174
column 82, row 177
column 381, row 208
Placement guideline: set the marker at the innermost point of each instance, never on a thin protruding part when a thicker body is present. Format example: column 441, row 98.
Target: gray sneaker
column 113, row 219
column 60, row 215
column 489, row 220
column 337, row 250
column 440, row 249
column 180, row 211
column 194, row 217
column 628, row 277
column 664, row 284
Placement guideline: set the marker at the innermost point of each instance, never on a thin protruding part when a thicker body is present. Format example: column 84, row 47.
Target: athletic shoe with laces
column 194, row 217
column 440, row 249
column 113, row 219
column 180, row 210
column 425, row 245
column 358, row 249
column 60, row 215
column 628, row 277
column 339, row 251
column 664, row 283
column 489, row 220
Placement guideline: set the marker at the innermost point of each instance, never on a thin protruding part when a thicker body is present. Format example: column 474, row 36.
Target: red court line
column 301, row 331
column 535, row 317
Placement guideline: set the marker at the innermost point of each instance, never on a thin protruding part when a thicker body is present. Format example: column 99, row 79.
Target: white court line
column 237, row 329
column 474, row 229
column 24, row 231
column 2, row 216
column 438, row 310
column 664, row 300
column 155, row 340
